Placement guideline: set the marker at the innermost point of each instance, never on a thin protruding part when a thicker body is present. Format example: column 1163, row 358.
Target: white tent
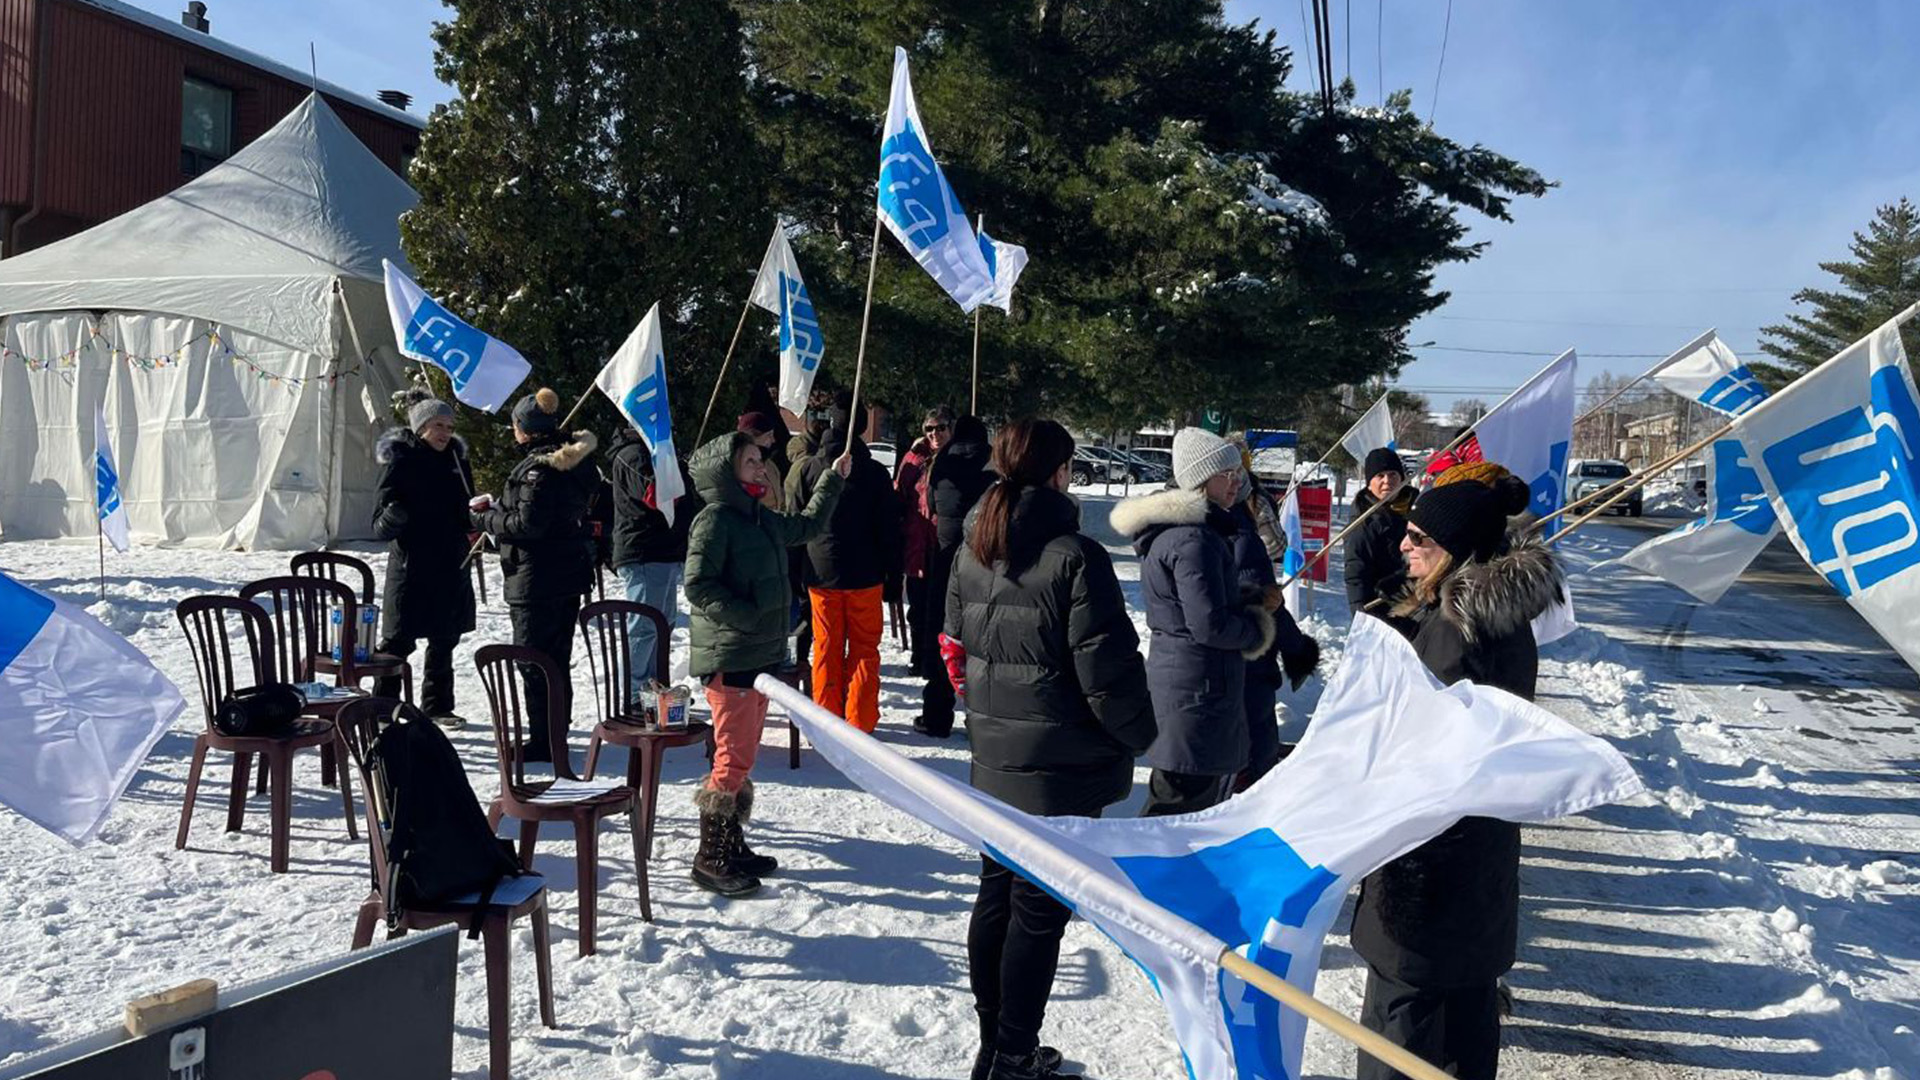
column 236, row 330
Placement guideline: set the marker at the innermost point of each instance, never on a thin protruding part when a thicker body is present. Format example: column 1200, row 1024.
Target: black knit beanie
column 1468, row 520
column 1382, row 460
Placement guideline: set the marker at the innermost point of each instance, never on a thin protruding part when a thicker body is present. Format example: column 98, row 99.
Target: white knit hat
column 1199, row 454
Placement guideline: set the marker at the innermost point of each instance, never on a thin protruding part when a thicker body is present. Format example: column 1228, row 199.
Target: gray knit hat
column 425, row 411
column 1198, row 455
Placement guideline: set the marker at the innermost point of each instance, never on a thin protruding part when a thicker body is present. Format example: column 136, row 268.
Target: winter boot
column 745, row 860
column 1046, row 1057
column 1033, row 1066
column 713, row 867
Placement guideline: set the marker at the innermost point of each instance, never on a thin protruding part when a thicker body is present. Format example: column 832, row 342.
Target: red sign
column 1316, row 528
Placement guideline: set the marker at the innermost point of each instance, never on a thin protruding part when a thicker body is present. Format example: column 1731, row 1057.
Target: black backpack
column 259, row 711
column 438, row 845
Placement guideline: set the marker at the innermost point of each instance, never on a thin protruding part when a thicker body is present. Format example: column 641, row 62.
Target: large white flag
column 1836, row 456
column 1371, row 432
column 1390, row 760
column 779, row 289
column 80, row 708
column 1706, row 557
column 1004, row 262
column 485, row 370
column 1530, row 432
column 918, row 204
column 106, row 485
column 636, row 380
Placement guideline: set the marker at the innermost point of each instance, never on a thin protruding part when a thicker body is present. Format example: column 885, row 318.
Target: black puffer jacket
column 421, row 510
column 1203, row 633
column 1374, row 566
column 540, row 520
column 640, row 532
column 1057, row 704
column 960, row 475
column 861, row 547
column 1447, row 913
column 1253, row 573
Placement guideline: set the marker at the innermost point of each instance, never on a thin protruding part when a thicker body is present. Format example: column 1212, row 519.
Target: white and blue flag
column 1296, row 556
column 107, row 501
column 1372, row 431
column 918, row 205
column 1530, row 432
column 1004, row 263
column 779, row 289
column 485, row 370
column 636, row 380
column 1390, row 760
column 80, row 708
column 1705, row 557
column 1836, row 455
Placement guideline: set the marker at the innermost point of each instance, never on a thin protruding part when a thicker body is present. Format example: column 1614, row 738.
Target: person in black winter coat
column 649, row 554
column 1438, row 926
column 1038, row 639
column 1203, row 631
column 1293, row 655
column 546, row 545
column 960, row 475
column 1375, row 569
column 848, row 569
column 421, row 511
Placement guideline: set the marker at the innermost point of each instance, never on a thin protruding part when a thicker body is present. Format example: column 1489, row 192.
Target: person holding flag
column 1375, row 569
column 546, row 545
column 1439, row 926
column 737, row 593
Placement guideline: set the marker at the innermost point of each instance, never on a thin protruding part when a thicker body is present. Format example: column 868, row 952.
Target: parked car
column 1156, row 456
column 1591, row 476
column 883, row 453
column 1087, row 467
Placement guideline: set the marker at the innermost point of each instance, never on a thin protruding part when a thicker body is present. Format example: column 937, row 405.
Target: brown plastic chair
column 582, row 803
column 230, row 639
column 336, row 567
column 360, row 725
column 301, row 614
column 604, row 626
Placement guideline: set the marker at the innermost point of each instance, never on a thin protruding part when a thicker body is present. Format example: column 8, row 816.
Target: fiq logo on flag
column 635, row 379
column 780, row 290
column 485, row 370
column 918, row 204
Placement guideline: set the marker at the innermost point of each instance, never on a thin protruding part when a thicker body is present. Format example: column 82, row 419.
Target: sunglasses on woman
column 931, row 428
column 1418, row 538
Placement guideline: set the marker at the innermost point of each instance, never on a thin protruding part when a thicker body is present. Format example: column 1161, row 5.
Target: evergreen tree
column 1882, row 280
column 1200, row 236
column 599, row 156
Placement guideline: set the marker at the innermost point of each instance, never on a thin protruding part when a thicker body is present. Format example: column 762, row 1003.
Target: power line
column 1445, row 33
column 1624, row 292
column 1306, row 38
column 1349, row 41
column 1576, row 322
column 1552, row 352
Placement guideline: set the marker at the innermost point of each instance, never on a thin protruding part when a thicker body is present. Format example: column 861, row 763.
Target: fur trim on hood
column 393, row 440
column 1505, row 593
column 1174, row 506
column 569, row 454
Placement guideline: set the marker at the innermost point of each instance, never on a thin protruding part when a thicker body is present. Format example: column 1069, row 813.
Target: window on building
column 206, row 125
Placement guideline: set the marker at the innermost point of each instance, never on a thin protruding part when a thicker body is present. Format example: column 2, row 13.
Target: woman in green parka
column 737, row 597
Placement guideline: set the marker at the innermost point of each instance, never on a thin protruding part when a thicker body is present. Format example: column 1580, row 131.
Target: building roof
column 174, row 29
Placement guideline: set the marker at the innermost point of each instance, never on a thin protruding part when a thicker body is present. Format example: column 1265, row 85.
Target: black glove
column 1299, row 663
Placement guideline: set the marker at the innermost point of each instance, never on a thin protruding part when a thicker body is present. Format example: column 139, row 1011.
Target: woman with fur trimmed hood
column 421, row 511
column 546, row 544
column 1438, row 926
column 1203, row 634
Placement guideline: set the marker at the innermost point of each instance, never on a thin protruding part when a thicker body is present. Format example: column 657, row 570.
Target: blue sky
column 1708, row 154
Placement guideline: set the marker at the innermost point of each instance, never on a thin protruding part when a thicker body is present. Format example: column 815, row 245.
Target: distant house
column 116, row 106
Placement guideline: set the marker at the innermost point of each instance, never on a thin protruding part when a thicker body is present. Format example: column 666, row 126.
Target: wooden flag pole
column 1620, row 489
column 724, row 363
column 980, row 227
column 1369, row 1041
column 1342, row 534
column 866, row 313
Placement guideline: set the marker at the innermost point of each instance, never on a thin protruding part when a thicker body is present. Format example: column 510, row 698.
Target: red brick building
column 105, row 106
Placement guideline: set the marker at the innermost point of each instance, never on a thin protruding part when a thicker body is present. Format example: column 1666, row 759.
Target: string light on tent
column 149, row 363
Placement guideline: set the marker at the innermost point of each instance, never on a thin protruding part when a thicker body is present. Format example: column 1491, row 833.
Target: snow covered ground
column 1755, row 916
